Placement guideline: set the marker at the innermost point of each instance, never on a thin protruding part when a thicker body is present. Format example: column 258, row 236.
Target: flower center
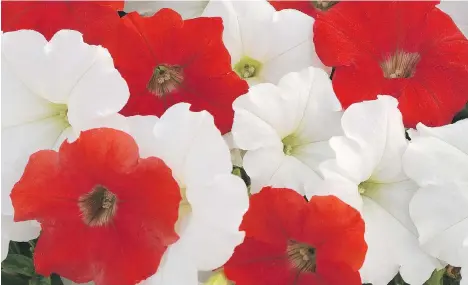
column 367, row 187
column 323, row 5
column 184, row 209
column 288, row 144
column 400, row 65
column 247, row 67
column 98, row 207
column 165, row 79
column 302, row 256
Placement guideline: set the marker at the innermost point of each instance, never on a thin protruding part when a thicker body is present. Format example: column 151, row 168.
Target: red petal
column 356, row 84
column 305, row 7
column 259, row 263
column 98, row 23
column 274, row 215
column 42, row 193
column 336, row 230
column 329, row 275
column 65, row 250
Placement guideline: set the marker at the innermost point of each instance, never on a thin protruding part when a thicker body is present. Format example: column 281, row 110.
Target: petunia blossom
column 187, row 9
column 367, row 174
column 51, row 91
column 311, row 8
column 292, row 241
column 264, row 44
column 407, row 49
column 106, row 214
column 214, row 200
column 179, row 61
column 285, row 129
column 437, row 159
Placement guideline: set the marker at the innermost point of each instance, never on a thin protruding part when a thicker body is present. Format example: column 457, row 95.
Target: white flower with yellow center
column 214, row 201
column 437, row 159
column 367, row 174
column 265, row 44
column 51, row 91
column 285, row 129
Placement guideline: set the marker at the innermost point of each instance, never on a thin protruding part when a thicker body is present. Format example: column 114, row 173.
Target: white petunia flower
column 187, row 9
column 214, row 200
column 265, row 44
column 285, row 129
column 458, row 11
column 437, row 159
column 367, row 174
column 51, row 91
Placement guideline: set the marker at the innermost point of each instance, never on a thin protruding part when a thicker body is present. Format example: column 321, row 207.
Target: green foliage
column 18, row 267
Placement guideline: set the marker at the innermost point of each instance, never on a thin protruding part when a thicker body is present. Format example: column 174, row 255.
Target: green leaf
column 56, row 280
column 437, row 277
column 19, row 264
column 40, row 280
column 14, row 279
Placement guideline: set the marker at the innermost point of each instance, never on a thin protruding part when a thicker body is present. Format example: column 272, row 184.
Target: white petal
column 440, row 214
column 260, row 165
column 221, row 203
column 376, row 137
column 387, row 237
column 187, row 9
column 100, row 92
column 212, row 230
column 429, row 160
column 342, row 188
column 317, row 104
column 293, row 174
column 18, row 143
column 175, row 268
column 23, row 51
column 191, row 145
column 263, row 117
column 141, row 129
column 19, row 103
column 454, row 134
column 113, row 121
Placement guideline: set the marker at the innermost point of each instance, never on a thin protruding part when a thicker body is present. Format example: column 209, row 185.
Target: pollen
column 165, row 79
column 400, row 64
column 98, row 207
column 302, row 256
column 323, row 5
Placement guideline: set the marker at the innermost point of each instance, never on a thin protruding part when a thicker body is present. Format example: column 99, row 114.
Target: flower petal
column 441, row 215
column 191, row 145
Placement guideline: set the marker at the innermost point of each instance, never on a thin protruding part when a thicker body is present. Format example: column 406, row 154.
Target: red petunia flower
column 106, row 214
column 96, row 20
column 291, row 241
column 410, row 50
column 311, row 8
column 167, row 60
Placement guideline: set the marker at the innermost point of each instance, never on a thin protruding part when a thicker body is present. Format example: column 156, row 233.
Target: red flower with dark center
column 291, row 241
column 166, row 60
column 409, row 50
column 311, row 8
column 106, row 214
column 96, row 20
